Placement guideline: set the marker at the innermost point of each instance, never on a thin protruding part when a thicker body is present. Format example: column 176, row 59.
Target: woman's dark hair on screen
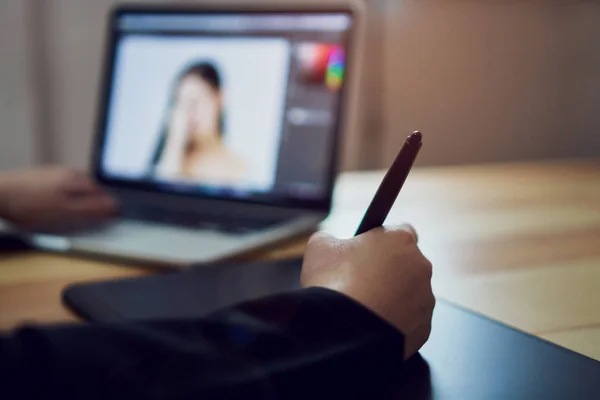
column 209, row 74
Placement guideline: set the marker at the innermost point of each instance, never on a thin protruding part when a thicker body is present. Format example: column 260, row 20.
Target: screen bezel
column 322, row 204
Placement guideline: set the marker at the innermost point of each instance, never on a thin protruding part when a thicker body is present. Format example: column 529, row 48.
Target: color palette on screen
column 321, row 64
column 334, row 77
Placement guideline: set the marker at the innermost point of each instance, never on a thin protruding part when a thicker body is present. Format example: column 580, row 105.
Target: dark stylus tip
column 415, row 137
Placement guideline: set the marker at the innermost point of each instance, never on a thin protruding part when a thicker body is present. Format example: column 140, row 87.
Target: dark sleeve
column 303, row 344
column 10, row 242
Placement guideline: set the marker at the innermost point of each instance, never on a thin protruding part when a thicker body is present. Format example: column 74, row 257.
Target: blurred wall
column 74, row 34
column 18, row 114
column 485, row 80
column 492, row 80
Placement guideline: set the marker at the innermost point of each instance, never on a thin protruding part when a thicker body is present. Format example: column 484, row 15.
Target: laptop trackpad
column 152, row 240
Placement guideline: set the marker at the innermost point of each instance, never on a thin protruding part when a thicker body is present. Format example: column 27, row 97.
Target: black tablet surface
column 467, row 357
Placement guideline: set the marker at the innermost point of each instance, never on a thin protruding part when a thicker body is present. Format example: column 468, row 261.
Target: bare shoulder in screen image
column 191, row 145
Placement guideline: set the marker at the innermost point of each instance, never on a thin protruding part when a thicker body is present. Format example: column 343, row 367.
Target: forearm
column 289, row 346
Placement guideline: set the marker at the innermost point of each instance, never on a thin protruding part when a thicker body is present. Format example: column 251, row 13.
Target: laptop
column 219, row 128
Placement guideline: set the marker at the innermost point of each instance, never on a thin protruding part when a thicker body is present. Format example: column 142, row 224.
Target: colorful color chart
column 335, row 69
column 322, row 64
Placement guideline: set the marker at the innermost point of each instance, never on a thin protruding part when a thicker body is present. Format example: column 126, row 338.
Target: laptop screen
column 225, row 105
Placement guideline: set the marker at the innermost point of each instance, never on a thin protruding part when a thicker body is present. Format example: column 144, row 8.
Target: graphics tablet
column 467, row 357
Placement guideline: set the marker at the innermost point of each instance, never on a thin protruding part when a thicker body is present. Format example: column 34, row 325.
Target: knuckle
column 432, row 302
column 425, row 268
column 322, row 243
column 428, row 268
column 315, row 239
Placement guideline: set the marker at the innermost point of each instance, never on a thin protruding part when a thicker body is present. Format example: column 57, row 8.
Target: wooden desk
column 519, row 243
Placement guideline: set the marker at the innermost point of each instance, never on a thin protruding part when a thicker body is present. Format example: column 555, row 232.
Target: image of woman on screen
column 191, row 145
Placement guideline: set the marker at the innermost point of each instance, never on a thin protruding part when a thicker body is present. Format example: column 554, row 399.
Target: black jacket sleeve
column 305, row 344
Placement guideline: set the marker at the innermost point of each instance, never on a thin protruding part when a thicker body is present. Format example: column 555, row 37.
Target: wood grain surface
column 518, row 242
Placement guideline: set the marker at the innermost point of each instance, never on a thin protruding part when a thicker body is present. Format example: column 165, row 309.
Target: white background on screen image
column 254, row 80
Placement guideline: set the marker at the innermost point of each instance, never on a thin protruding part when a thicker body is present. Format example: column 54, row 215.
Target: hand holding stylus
column 381, row 268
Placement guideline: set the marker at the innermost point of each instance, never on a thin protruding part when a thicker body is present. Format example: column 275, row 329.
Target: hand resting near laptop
column 364, row 307
column 41, row 197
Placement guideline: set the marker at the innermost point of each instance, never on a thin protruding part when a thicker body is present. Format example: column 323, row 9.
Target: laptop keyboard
column 194, row 220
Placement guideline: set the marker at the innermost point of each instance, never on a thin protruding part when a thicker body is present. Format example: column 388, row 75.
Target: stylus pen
column 392, row 183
